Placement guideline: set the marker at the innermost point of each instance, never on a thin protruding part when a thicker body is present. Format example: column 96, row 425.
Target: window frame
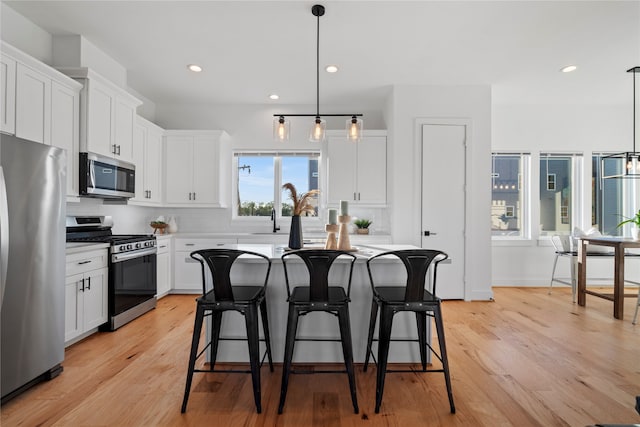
column 576, row 206
column 524, row 187
column 277, row 184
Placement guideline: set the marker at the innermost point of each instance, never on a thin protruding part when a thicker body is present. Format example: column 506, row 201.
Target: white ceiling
column 251, row 49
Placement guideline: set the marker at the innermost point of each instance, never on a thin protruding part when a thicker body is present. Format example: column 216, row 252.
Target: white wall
column 409, row 103
column 23, row 34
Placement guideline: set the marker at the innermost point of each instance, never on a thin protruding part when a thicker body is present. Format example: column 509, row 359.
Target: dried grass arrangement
column 302, row 203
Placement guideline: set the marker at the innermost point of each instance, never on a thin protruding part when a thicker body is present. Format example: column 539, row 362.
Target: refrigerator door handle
column 4, row 235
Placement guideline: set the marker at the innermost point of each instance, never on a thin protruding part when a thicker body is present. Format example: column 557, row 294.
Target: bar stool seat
column 248, row 300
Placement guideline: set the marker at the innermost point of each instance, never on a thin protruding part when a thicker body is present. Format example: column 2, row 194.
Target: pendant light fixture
column 626, row 164
column 317, row 133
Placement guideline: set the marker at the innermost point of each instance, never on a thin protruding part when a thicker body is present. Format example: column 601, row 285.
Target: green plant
column 362, row 223
column 635, row 220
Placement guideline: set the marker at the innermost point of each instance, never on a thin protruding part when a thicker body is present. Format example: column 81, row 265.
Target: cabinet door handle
column 149, row 193
column 194, row 196
column 84, row 262
column 118, row 150
column 88, row 283
column 82, row 288
column 189, row 196
column 358, row 196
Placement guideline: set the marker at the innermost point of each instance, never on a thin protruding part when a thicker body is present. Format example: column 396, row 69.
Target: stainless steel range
column 132, row 267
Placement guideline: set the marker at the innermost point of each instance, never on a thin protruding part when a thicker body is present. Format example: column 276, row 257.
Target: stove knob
column 129, row 246
column 122, row 248
column 138, row 245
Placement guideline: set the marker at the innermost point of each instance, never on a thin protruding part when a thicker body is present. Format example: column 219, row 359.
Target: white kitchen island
column 316, row 324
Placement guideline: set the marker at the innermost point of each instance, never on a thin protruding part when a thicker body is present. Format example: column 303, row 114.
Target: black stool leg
column 437, row 314
column 372, row 327
column 197, row 329
column 384, row 336
column 292, row 326
column 421, row 320
column 253, row 339
column 265, row 328
column 347, row 351
column 216, row 323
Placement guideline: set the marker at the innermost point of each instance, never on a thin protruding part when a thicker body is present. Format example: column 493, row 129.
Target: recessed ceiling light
column 274, row 96
column 331, row 68
column 568, row 68
column 195, row 68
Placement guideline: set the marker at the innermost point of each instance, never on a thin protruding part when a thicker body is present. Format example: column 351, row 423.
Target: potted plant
column 362, row 225
column 635, row 220
column 301, row 204
column 158, row 225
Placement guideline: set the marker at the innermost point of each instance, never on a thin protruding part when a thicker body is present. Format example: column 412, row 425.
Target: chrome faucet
column 273, row 218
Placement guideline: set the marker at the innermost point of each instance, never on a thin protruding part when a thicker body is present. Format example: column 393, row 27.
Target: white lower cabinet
column 188, row 273
column 165, row 269
column 86, row 288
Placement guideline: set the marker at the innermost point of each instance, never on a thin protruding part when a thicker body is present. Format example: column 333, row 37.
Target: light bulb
column 353, row 130
column 317, row 133
column 281, row 131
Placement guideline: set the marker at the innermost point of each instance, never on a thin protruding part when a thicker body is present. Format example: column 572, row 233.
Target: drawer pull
column 189, row 244
column 84, row 262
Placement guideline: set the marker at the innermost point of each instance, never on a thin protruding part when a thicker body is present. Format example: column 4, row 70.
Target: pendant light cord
column 318, row 67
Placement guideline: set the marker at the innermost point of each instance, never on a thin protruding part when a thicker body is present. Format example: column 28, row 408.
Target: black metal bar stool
column 318, row 296
column 412, row 296
column 245, row 299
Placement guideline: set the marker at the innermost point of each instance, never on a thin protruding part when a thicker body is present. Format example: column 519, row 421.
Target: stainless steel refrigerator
column 32, row 267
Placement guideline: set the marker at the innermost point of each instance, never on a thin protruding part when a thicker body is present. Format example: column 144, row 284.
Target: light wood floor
column 526, row 359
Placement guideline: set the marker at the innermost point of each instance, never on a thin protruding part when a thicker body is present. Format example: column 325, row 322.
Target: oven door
column 132, row 279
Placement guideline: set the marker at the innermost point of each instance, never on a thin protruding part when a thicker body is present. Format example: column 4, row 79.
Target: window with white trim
column 607, row 198
column 509, row 184
column 559, row 202
column 259, row 177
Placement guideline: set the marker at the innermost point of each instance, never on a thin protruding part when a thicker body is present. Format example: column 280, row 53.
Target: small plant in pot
column 362, row 225
column 635, row 220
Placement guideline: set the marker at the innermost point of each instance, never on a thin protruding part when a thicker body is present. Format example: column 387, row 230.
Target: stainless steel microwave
column 105, row 177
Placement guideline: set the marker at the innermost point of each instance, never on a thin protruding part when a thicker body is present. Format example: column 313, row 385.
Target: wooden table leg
column 582, row 272
column 618, row 283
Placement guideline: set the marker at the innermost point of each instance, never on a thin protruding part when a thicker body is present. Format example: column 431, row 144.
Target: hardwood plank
column 526, row 359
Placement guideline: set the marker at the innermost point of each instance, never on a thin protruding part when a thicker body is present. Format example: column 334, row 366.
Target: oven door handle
column 130, row 255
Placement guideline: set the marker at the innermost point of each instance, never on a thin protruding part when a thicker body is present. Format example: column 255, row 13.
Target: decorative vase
column 173, row 226
column 635, row 233
column 295, row 234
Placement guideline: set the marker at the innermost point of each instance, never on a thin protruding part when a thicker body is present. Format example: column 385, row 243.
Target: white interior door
column 443, row 202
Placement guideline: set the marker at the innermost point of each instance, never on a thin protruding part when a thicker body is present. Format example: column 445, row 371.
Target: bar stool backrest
column 220, row 262
column 417, row 263
column 318, row 263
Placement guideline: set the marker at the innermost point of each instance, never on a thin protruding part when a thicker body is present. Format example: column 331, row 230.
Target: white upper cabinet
column 357, row 172
column 147, row 156
column 33, row 105
column 197, row 171
column 7, row 95
column 40, row 104
column 65, row 115
column 107, row 115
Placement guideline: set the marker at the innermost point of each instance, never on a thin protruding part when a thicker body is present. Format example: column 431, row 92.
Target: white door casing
column 443, row 201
